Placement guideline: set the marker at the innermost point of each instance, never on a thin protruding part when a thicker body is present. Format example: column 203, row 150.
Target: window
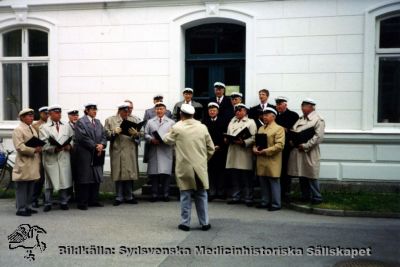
column 24, row 62
column 388, row 67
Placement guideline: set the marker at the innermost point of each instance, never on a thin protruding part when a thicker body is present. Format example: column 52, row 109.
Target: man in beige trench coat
column 123, row 155
column 27, row 163
column 304, row 160
column 194, row 147
column 269, row 161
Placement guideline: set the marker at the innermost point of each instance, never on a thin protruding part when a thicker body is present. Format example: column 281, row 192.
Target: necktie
column 57, row 127
column 160, row 120
column 30, row 128
column 219, row 100
column 93, row 123
column 262, row 106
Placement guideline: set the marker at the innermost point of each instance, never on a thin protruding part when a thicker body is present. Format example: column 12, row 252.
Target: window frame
column 382, row 52
column 24, row 60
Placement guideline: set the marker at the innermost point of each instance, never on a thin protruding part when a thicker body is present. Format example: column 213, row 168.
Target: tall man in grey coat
column 90, row 143
column 194, row 147
column 304, row 160
column 160, row 155
column 187, row 99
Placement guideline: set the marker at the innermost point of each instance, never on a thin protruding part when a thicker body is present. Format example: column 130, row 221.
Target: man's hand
column 226, row 141
column 155, row 141
column 217, row 148
column 132, row 131
column 301, row 147
column 117, row 130
column 38, row 149
column 99, row 148
column 67, row 147
column 239, row 142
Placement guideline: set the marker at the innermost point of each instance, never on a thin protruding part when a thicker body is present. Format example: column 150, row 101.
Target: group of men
column 212, row 158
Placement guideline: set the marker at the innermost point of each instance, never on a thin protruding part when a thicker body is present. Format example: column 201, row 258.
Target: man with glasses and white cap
column 43, row 117
column 225, row 110
column 239, row 162
column 123, row 155
column 194, row 147
column 304, row 159
column 269, row 161
column 159, row 168
column 285, row 118
column 90, row 143
column 27, row 163
column 187, row 99
column 56, row 158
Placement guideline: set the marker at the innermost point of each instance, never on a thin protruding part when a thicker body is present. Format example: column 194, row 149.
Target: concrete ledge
column 341, row 213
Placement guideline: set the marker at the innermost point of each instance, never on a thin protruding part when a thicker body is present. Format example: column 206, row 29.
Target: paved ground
column 154, row 225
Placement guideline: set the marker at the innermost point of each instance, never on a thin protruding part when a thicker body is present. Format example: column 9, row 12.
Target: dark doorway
column 215, row 52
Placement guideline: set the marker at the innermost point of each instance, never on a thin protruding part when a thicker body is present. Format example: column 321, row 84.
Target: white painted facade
column 109, row 51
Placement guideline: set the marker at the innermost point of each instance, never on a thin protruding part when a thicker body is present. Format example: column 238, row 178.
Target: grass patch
column 360, row 201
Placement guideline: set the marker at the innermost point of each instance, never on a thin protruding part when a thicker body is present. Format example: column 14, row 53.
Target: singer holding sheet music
column 90, row 143
column 239, row 162
column 27, row 163
column 304, row 159
column 56, row 158
column 160, row 155
column 123, row 153
column 269, row 159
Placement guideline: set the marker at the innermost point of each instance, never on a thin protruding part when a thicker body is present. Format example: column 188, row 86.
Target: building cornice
column 56, row 5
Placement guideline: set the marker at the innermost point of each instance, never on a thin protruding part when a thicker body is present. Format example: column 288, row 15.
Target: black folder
column 54, row 142
column 301, row 137
column 261, row 141
column 127, row 124
column 98, row 160
column 35, row 142
column 158, row 137
column 243, row 135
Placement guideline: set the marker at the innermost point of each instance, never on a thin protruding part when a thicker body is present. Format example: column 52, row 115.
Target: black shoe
column 96, row 204
column 64, row 206
column 131, row 201
column 273, row 209
column 165, row 199
column 32, row 211
column 206, row 227
column 261, row 206
column 23, row 213
column 234, row 202
column 249, row 204
column 153, row 199
column 211, row 198
column 183, row 227
column 35, row 204
column 47, row 208
column 316, row 201
column 117, row 203
column 82, row 207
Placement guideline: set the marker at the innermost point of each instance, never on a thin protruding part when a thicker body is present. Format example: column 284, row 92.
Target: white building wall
column 302, row 49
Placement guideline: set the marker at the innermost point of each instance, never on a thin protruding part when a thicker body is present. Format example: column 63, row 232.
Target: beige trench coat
column 27, row 162
column 194, row 147
column 307, row 163
column 241, row 157
column 270, row 162
column 123, row 151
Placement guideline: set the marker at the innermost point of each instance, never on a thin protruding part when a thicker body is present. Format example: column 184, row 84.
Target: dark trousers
column 38, row 186
column 217, row 183
column 87, row 193
column 156, row 181
column 285, row 180
column 310, row 189
column 242, row 184
column 23, row 194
